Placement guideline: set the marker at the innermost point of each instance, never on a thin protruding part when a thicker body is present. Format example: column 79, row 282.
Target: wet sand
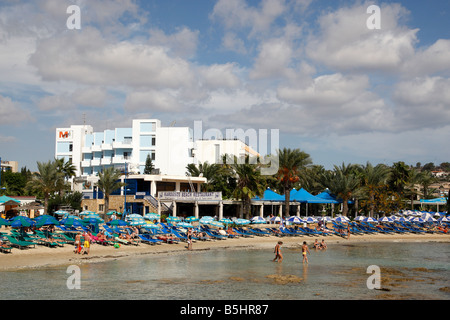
column 42, row 256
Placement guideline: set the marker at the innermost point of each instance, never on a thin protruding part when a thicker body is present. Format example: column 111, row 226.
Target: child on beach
column 277, row 252
column 304, row 251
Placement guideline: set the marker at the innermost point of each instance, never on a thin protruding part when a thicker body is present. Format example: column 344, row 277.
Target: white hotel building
column 170, row 148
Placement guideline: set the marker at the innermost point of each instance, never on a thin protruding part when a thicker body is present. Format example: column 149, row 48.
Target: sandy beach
column 42, row 256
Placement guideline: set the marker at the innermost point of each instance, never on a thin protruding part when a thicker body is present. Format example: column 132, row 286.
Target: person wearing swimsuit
column 277, row 252
column 304, row 251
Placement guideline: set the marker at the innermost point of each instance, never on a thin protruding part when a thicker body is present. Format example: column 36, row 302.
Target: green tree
column 399, row 177
column 46, row 181
column 108, row 182
column 343, row 181
column 373, row 180
column 290, row 163
column 249, row 183
column 149, row 167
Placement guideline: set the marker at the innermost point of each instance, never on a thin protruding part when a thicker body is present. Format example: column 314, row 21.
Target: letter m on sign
column 63, row 134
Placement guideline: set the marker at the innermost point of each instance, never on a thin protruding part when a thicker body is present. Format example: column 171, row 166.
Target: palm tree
column 46, row 180
column 206, row 170
column 372, row 179
column 291, row 162
column 108, row 182
column 249, row 183
column 67, row 170
column 399, row 177
column 343, row 181
column 425, row 180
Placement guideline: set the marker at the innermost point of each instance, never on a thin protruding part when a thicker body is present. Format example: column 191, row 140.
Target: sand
column 42, row 256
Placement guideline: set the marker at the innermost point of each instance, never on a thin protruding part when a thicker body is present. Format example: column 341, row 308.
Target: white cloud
column 423, row 102
column 236, row 14
column 345, row 43
column 219, row 76
column 273, row 60
column 182, row 43
column 152, row 100
column 11, row 113
column 86, row 57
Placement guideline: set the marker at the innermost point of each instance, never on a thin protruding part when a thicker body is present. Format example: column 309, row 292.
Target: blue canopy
column 304, row 196
column 327, row 196
column 270, row 195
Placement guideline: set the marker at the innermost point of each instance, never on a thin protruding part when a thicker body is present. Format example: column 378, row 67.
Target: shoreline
column 43, row 257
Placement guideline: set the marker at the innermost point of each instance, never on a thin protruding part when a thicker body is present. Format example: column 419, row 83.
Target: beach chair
column 242, row 232
column 19, row 243
column 215, row 235
column 43, row 239
column 149, row 240
column 259, row 232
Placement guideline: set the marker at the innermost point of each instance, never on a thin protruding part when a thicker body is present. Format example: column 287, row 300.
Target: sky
column 312, row 69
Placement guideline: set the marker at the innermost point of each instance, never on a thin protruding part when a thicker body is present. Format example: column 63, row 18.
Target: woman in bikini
column 277, row 252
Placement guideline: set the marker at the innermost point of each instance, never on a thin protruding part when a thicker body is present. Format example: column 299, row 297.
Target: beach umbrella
column 117, row 222
column 325, row 219
column 360, row 218
column 4, row 222
column 184, row 225
column 110, row 213
column 136, row 221
column 45, row 220
column 92, row 216
column 71, row 222
column 276, row 219
column 206, row 219
column 152, row 216
column 92, row 221
column 61, row 212
column 369, row 219
column 191, row 219
column 21, row 221
column 173, row 219
column 258, row 219
column 385, row 219
column 444, row 219
column 310, row 220
column 295, row 219
column 225, row 221
column 341, row 219
column 151, row 226
column 216, row 224
column 417, row 220
column 242, row 221
column 86, row 212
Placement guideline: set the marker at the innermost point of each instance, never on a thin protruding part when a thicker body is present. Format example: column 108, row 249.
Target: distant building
column 126, row 149
column 12, row 166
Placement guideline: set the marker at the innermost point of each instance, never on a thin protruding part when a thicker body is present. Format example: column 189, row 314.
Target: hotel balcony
column 95, row 162
column 86, row 163
column 107, row 146
column 105, row 161
column 125, row 144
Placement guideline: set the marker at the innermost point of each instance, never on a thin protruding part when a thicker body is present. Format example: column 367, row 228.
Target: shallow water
column 408, row 271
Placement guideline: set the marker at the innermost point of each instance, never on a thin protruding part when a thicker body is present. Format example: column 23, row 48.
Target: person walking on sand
column 304, row 251
column 277, row 252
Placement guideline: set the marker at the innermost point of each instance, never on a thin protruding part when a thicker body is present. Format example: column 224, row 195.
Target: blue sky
column 310, row 68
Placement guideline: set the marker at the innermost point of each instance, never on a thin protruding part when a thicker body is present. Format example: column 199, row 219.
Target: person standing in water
column 304, row 251
column 277, row 252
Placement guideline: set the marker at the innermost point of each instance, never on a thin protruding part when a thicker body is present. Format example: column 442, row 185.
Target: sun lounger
column 147, row 239
column 243, row 233
column 19, row 243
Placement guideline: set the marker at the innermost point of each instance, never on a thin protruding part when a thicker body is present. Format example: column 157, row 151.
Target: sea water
column 407, row 271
